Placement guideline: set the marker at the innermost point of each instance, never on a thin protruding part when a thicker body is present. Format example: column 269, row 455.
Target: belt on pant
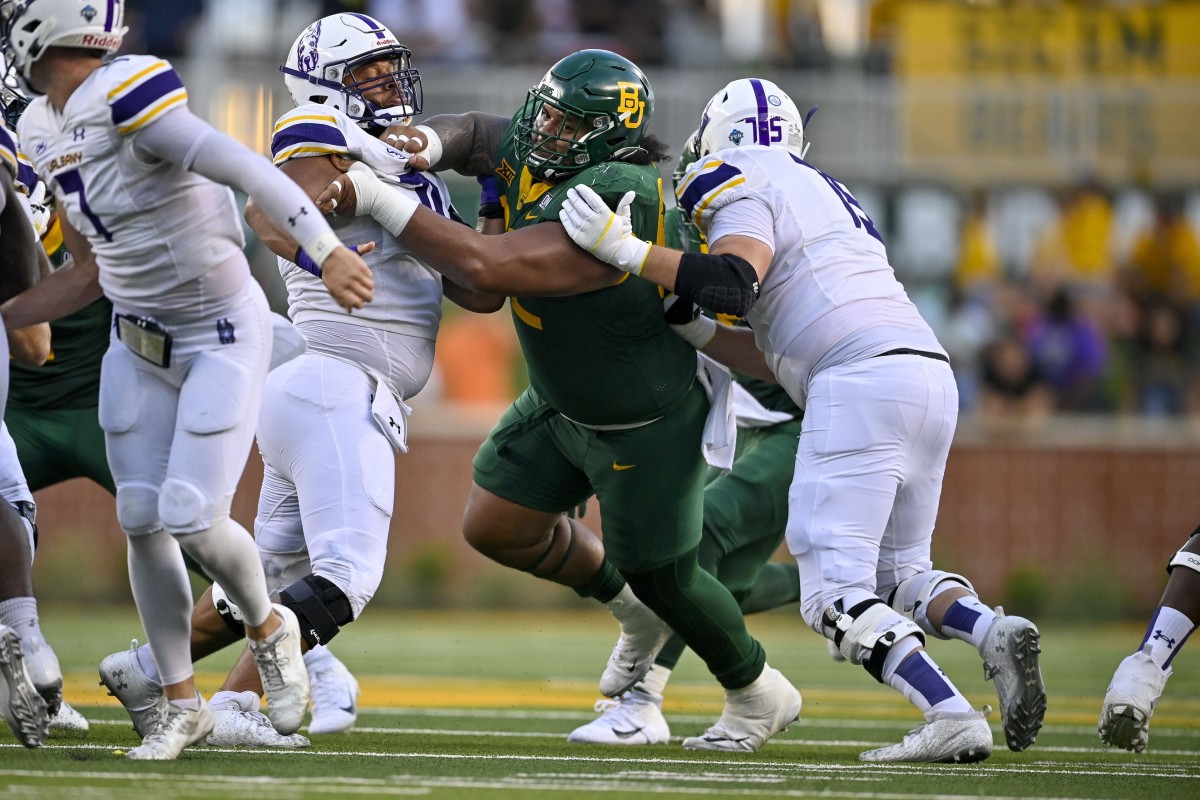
column 908, row 351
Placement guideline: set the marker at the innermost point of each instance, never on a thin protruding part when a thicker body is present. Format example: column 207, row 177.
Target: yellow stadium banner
column 1049, row 91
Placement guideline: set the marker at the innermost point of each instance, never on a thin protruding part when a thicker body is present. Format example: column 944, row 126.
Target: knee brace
column 320, row 606
column 912, row 595
column 549, row 562
column 137, row 510
column 1184, row 557
column 866, row 633
column 230, row 614
column 182, row 506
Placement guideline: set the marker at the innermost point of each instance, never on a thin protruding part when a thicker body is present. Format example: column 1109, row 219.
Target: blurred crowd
column 1093, row 322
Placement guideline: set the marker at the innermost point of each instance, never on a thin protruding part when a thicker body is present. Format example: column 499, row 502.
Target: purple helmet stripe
column 760, row 96
column 373, row 25
column 110, row 16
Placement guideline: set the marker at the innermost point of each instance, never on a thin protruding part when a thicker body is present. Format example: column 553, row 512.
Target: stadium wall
column 1076, row 519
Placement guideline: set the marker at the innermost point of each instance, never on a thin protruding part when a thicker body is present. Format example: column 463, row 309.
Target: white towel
column 752, row 414
column 720, row 428
column 390, row 413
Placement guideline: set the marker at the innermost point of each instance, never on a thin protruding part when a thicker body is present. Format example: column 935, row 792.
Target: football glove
column 606, row 234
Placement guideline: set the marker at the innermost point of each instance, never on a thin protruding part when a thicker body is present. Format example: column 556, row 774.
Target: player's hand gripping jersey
column 830, row 295
column 408, row 294
column 605, row 357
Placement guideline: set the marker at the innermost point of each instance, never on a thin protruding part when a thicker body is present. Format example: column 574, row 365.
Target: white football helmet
column 320, row 69
column 750, row 111
column 28, row 27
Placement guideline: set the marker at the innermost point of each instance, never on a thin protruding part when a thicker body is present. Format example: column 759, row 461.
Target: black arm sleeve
column 724, row 283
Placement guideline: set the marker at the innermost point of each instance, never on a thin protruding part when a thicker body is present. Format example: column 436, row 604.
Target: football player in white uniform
column 138, row 178
column 840, row 334
column 332, row 418
column 30, row 677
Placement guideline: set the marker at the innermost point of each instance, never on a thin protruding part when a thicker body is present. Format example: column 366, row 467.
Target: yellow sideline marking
column 419, row 691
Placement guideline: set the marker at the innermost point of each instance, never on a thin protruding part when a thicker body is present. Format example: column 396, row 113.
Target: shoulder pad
column 309, row 130
column 708, row 185
column 139, row 90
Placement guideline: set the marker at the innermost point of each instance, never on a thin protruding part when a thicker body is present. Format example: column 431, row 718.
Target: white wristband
column 318, row 249
column 433, row 150
column 391, row 208
column 698, row 333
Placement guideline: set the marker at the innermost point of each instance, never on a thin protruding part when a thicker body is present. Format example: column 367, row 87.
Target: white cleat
column 22, row 707
column 1129, row 703
column 142, row 697
column 958, row 739
column 752, row 715
column 43, row 669
column 237, row 722
column 334, row 696
column 633, row 718
column 68, row 720
column 1010, row 659
column 177, row 729
column 643, row 634
column 284, row 676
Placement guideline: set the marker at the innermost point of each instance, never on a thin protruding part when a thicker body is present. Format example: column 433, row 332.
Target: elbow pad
column 723, row 283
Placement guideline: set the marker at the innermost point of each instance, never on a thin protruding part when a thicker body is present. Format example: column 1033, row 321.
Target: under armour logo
column 225, row 331
column 292, row 220
column 78, row 133
column 1159, row 635
column 393, row 424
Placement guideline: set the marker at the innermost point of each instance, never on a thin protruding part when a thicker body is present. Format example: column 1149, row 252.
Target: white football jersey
column 408, row 294
column 155, row 227
column 830, row 295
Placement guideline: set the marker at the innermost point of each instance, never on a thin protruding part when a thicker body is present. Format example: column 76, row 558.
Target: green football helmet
column 591, row 107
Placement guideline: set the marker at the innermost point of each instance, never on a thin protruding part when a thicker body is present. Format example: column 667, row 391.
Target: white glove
column 687, row 322
column 37, row 209
column 606, row 234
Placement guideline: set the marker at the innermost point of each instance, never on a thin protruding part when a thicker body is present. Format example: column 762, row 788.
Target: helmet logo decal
column 306, row 50
column 88, row 13
column 735, row 136
column 629, row 104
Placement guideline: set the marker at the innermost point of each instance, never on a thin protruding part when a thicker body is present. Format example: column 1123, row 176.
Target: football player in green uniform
column 745, row 514
column 614, row 406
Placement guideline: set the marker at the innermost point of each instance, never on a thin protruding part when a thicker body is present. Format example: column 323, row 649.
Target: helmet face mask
column 28, row 27
column 751, row 111
column 591, row 107
column 354, row 64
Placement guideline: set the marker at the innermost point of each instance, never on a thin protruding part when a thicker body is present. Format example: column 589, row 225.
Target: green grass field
column 471, row 705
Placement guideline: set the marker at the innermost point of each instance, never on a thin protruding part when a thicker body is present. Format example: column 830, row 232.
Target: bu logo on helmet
column 629, row 104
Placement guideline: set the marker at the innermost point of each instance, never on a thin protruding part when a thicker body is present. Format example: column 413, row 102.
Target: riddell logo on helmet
column 105, row 41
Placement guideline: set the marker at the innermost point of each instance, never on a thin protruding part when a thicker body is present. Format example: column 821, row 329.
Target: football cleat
column 237, row 722
column 633, row 718
column 176, row 729
column 334, row 695
column 752, row 715
column 142, row 697
column 643, row 634
column 284, row 676
column 43, row 669
column 1010, row 659
column 955, row 739
column 1129, row 703
column 22, row 707
column 68, row 720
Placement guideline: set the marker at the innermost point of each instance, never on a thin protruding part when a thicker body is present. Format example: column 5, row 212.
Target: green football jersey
column 71, row 376
column 682, row 235
column 605, row 357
